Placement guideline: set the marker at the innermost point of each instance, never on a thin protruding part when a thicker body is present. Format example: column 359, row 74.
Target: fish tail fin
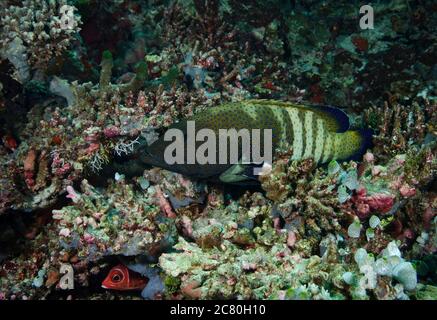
column 355, row 143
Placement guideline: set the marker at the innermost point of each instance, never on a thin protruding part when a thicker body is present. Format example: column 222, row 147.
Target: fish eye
column 117, row 277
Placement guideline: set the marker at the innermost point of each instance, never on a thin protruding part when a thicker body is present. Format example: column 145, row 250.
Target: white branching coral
column 125, row 147
column 35, row 31
column 97, row 162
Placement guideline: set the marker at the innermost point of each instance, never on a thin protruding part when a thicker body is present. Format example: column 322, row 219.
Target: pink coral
column 142, row 101
column 63, row 170
column 291, row 238
column 369, row 157
column 378, row 202
column 111, row 131
column 409, row 234
column 187, row 226
column 92, row 148
column 88, row 238
column 59, row 166
column 164, row 204
column 363, row 210
column 407, row 191
column 72, row 194
column 427, row 217
column 29, row 168
column 381, row 202
column 93, row 137
column 376, row 170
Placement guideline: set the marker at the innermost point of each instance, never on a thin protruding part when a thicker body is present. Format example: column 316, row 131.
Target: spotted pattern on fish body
column 320, row 137
column 308, row 125
column 327, row 149
column 297, row 133
column 301, row 116
column 289, row 136
column 312, row 131
column 308, row 131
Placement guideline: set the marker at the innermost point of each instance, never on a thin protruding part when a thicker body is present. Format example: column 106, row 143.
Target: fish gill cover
column 88, row 89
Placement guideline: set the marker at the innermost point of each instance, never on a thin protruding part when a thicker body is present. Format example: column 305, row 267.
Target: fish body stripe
column 297, row 133
column 308, row 125
column 288, row 126
column 301, row 115
column 281, row 122
column 315, row 120
column 327, row 152
column 303, row 129
column 319, row 143
column 251, row 112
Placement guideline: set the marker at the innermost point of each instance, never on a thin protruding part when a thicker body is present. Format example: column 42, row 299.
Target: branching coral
column 35, row 32
column 306, row 199
column 401, row 187
column 205, row 60
column 99, row 122
column 401, row 127
column 339, row 63
column 313, row 201
column 260, row 273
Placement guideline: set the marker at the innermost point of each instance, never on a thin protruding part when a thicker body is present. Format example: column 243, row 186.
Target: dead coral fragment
column 122, row 221
column 256, row 273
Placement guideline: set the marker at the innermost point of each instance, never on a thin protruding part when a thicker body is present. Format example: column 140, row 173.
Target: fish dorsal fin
column 336, row 119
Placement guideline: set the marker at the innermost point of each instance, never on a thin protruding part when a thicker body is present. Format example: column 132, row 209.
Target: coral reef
column 399, row 128
column 346, row 65
column 230, row 272
column 35, row 32
column 121, row 222
column 99, row 122
column 86, row 86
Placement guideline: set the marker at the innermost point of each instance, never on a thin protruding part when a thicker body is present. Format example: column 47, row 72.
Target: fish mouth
column 104, row 287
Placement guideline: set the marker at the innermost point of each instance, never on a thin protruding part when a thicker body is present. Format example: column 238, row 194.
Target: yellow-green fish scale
column 308, row 125
column 319, row 140
column 307, row 131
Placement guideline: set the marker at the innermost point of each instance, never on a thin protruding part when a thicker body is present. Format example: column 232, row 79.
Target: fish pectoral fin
column 240, row 173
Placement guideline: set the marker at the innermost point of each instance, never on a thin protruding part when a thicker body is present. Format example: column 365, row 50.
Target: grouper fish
column 318, row 132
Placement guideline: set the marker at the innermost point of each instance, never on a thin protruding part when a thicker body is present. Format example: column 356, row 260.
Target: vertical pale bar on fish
column 309, row 134
column 297, row 133
column 319, row 140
